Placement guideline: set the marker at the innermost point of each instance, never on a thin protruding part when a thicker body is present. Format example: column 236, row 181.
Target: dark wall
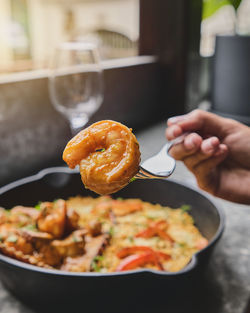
column 33, row 134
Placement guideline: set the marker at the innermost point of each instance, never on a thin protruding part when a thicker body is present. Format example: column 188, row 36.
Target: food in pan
column 84, row 234
column 108, row 155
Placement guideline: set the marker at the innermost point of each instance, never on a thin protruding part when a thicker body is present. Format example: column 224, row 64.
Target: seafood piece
column 72, row 218
column 95, row 228
column 6, row 230
column 124, row 207
column 41, row 247
column 52, row 218
column 118, row 207
column 34, row 236
column 93, row 248
column 3, row 216
column 23, row 215
column 19, row 255
column 10, row 236
column 108, row 155
column 72, row 245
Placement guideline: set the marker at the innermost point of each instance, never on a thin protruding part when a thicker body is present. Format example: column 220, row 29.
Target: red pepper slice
column 156, row 229
column 135, row 260
column 140, row 255
column 132, row 250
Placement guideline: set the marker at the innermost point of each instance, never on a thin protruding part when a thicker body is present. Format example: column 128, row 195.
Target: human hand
column 217, row 152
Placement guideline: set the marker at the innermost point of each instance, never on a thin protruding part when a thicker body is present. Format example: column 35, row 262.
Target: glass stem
column 77, row 123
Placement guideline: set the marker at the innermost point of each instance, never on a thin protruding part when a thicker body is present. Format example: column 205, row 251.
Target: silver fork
column 161, row 165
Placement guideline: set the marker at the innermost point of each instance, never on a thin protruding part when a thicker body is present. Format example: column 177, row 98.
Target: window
column 31, row 29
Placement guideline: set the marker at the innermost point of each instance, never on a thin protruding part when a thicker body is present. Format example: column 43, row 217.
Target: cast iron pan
column 114, row 292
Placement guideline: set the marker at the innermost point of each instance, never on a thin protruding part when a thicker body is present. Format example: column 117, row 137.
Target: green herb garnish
column 76, row 239
column 111, row 231
column 131, row 239
column 185, row 208
column 30, row 227
column 95, row 263
column 132, row 179
column 182, row 244
column 152, row 217
column 100, row 150
column 12, row 238
column 38, row 205
column 98, row 258
column 119, row 199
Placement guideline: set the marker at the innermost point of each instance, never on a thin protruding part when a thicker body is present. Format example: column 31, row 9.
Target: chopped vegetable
column 132, row 179
column 156, row 229
column 135, row 260
column 131, row 239
column 95, row 263
column 185, row 208
column 100, row 150
column 38, row 205
column 140, row 255
column 12, row 238
column 111, row 231
column 30, row 227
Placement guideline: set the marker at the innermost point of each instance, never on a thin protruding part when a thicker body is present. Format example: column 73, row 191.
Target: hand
column 217, row 152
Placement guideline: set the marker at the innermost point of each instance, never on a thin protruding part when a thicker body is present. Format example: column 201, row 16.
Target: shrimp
column 52, row 218
column 108, row 154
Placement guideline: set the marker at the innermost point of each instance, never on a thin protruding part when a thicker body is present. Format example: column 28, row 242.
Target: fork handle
column 176, row 141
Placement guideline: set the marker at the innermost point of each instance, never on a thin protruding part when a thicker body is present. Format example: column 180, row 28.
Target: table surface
column 228, row 274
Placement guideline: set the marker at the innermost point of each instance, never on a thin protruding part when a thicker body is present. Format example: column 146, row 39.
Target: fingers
column 194, row 145
column 198, row 121
column 189, row 146
column 208, row 149
column 201, row 157
column 205, row 171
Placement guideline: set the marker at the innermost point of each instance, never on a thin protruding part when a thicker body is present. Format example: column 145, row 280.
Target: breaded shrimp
column 108, row 155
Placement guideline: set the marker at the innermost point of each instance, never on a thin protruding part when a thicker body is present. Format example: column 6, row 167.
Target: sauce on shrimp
column 108, row 156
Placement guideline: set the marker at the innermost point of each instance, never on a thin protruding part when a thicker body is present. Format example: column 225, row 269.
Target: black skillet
column 115, row 292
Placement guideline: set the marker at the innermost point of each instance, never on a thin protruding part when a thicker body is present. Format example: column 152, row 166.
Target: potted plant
column 230, row 86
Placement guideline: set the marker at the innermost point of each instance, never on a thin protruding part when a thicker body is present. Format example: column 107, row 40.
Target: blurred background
column 159, row 58
column 31, row 29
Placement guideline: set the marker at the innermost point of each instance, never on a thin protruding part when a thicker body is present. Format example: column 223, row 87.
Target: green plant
column 211, row 6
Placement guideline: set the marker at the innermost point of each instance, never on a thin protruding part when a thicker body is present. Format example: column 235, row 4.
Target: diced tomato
column 132, row 250
column 136, row 260
column 140, row 255
column 124, row 207
column 133, row 261
column 156, row 229
column 147, row 233
column 163, row 255
column 201, row 243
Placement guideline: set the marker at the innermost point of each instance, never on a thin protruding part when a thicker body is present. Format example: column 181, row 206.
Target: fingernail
column 210, row 145
column 190, row 143
column 175, row 119
column 174, row 131
column 220, row 151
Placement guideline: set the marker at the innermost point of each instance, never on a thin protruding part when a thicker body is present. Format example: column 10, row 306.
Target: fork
column 161, row 165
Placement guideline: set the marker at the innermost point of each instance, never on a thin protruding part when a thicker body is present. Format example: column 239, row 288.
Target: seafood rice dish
column 84, row 234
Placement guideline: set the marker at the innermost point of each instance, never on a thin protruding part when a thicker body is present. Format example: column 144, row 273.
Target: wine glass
column 75, row 82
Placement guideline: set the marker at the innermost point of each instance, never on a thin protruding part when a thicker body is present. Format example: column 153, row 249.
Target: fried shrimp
column 108, row 155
